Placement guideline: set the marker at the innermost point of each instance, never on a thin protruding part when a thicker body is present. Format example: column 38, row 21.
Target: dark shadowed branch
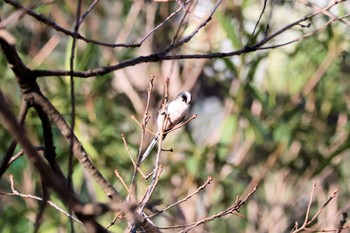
column 11, row 149
column 32, row 94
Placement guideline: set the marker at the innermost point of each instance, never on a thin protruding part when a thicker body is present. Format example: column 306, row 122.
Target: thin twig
column 325, row 12
column 334, row 194
column 307, row 222
column 179, row 26
column 42, row 207
column 234, row 209
column 295, row 23
column 29, row 196
column 49, row 22
column 157, row 167
column 307, row 35
column 308, row 208
column 118, row 216
column 21, row 153
column 194, row 32
column 157, row 171
column 117, row 174
column 161, row 24
column 130, row 156
column 146, row 117
column 72, row 103
column 87, row 12
column 184, row 199
column 258, row 22
column 194, row 116
column 141, row 125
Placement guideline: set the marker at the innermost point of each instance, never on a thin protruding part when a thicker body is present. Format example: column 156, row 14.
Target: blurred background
column 277, row 117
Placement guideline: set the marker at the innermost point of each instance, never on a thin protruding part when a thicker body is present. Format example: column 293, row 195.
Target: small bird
column 176, row 111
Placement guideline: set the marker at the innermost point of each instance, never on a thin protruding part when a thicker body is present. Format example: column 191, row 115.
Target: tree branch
column 41, row 18
column 162, row 55
column 9, row 153
column 32, row 94
column 10, row 123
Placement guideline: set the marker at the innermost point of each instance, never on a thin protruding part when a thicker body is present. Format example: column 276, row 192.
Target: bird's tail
column 149, row 149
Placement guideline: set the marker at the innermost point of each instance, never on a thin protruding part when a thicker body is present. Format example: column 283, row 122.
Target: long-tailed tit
column 176, row 112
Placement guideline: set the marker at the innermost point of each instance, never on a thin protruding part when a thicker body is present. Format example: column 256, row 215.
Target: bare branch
column 72, row 102
column 194, row 116
column 146, row 117
column 121, row 179
column 306, row 221
column 118, row 216
column 184, row 199
column 194, row 32
column 16, row 193
column 130, row 156
column 9, row 121
column 334, row 194
column 49, row 22
column 87, row 12
column 234, row 209
column 5, row 163
column 58, row 28
column 305, row 35
column 162, row 23
column 142, row 125
column 21, row 153
column 307, row 210
column 258, row 22
column 325, row 12
column 31, row 93
column 142, row 59
column 163, row 54
column 342, row 222
column 157, row 166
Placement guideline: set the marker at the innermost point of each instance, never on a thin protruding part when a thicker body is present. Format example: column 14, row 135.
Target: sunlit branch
column 184, row 199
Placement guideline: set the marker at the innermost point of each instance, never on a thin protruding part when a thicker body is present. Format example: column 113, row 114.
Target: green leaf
column 229, row 29
column 229, row 127
column 259, row 128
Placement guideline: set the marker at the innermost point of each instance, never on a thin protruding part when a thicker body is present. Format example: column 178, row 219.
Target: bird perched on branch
column 175, row 112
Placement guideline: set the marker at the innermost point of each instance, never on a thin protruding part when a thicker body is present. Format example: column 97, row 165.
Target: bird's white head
column 185, row 97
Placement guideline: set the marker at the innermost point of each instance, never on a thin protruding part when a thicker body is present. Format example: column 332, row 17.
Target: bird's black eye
column 184, row 97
